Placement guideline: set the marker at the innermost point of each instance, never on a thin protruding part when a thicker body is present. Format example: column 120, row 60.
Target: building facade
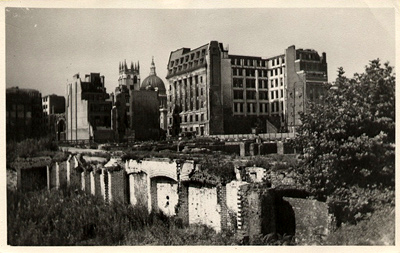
column 211, row 92
column 53, row 113
column 88, row 109
column 24, row 114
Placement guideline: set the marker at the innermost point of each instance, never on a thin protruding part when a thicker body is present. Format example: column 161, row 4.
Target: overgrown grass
column 378, row 229
column 70, row 217
column 29, row 148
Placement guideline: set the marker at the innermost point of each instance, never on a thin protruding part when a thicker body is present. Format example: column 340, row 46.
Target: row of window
column 262, row 107
column 251, row 83
column 188, row 57
column 187, row 81
column 248, row 62
column 262, row 95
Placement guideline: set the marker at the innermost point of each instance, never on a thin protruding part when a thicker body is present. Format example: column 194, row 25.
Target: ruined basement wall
column 257, row 214
column 119, row 186
column 313, row 221
column 203, row 206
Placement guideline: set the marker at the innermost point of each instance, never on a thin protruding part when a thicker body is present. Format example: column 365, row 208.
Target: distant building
column 139, row 110
column 53, row 113
column 211, row 92
column 88, row 109
column 24, row 114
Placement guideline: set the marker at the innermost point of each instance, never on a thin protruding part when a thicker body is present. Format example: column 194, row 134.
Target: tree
column 347, row 141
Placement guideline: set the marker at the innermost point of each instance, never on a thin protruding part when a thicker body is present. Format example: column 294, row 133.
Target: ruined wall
column 118, row 186
column 138, row 189
column 257, row 210
column 203, row 206
column 164, row 195
column 313, row 220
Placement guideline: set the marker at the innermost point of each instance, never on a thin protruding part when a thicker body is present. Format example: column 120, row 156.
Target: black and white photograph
column 199, row 124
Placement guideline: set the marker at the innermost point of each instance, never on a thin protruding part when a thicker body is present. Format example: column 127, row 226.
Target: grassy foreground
column 68, row 217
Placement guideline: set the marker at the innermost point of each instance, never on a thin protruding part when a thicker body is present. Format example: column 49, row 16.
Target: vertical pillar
column 48, row 177
column 109, row 175
column 57, row 176
column 252, row 147
column 148, row 192
column 242, row 149
column 92, row 183
column 83, row 180
column 102, row 185
column 69, row 171
column 132, row 197
column 280, row 149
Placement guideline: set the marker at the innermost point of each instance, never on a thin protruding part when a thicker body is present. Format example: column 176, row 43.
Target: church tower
column 130, row 77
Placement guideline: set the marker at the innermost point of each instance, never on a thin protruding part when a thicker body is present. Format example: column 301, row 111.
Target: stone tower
column 129, row 76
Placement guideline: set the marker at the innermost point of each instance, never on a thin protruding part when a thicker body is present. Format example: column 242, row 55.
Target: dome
column 153, row 82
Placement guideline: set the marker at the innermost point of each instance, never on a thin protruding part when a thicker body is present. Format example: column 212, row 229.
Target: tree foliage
column 347, row 141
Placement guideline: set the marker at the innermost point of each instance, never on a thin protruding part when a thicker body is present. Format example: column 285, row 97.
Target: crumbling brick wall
column 63, row 173
column 256, row 211
column 312, row 220
column 118, row 186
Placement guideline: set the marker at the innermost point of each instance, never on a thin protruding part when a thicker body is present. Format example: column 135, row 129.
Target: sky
column 46, row 47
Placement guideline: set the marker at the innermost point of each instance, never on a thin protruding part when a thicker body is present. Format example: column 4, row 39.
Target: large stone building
column 24, row 114
column 211, row 92
column 88, row 109
column 54, row 115
column 139, row 110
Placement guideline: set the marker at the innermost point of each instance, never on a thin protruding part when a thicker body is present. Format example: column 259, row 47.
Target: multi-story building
column 211, row 92
column 88, row 109
column 53, row 114
column 24, row 115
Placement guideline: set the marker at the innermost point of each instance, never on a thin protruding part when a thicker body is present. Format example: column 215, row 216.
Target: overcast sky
column 45, row 47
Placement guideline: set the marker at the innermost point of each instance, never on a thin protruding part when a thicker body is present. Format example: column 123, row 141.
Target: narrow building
column 88, row 110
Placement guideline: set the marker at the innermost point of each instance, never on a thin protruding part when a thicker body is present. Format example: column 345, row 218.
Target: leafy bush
column 347, row 142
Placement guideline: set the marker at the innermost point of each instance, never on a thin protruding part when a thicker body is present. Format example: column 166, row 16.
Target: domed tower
column 130, row 77
column 153, row 82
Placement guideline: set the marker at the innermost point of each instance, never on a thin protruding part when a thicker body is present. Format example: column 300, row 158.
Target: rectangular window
column 250, row 83
column 197, row 118
column 249, row 108
column 237, row 94
column 276, row 94
column 263, row 95
column 238, row 82
column 281, row 93
column 250, row 95
column 272, row 95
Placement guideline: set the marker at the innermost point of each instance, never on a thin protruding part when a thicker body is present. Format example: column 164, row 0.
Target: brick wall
column 53, row 175
column 75, row 178
column 203, row 206
column 97, row 184
column 118, row 186
column 183, row 203
column 257, row 213
column 63, row 173
column 138, row 189
column 87, row 181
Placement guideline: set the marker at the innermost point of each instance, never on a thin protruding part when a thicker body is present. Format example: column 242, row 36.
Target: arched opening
column 164, row 195
column 61, row 130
